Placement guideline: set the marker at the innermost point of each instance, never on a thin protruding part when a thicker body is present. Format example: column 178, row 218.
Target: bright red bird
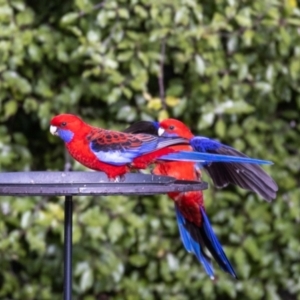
column 223, row 163
column 247, row 176
column 107, row 150
column 194, row 226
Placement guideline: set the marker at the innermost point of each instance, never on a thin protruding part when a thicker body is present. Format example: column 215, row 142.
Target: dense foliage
column 229, row 69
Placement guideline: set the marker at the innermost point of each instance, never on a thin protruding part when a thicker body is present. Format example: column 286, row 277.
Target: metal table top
column 90, row 183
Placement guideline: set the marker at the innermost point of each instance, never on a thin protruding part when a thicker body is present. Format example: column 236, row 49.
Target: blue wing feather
column 246, row 175
column 203, row 144
column 121, row 152
column 209, row 157
column 120, row 155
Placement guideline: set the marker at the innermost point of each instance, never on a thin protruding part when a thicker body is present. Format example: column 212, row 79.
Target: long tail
column 213, row 245
column 192, row 244
column 208, row 157
column 195, row 239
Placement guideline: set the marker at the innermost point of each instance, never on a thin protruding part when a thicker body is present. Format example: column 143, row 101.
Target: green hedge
column 230, row 71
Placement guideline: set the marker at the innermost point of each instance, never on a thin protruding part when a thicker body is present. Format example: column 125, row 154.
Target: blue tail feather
column 214, row 246
column 208, row 157
column 195, row 239
column 191, row 245
column 185, row 237
column 198, row 251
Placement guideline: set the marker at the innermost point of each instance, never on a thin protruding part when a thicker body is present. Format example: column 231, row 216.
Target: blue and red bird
column 194, row 226
column 196, row 232
column 243, row 173
column 107, row 150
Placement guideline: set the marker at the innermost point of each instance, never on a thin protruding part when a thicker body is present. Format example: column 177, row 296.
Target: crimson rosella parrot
column 246, row 175
column 194, row 226
column 113, row 152
column 107, row 150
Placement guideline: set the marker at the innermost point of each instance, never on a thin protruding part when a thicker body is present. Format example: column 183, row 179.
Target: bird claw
column 118, row 179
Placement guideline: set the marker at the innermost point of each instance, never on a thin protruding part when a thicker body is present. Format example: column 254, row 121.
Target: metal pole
column 68, row 249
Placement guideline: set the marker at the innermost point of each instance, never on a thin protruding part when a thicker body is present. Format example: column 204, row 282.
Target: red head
column 65, row 126
column 174, row 128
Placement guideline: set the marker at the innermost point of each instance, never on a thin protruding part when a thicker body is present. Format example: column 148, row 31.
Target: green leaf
column 200, row 65
column 5, row 13
column 25, row 17
column 123, row 13
column 138, row 260
column 220, row 128
column 68, row 19
column 26, row 219
column 86, row 280
column 115, row 230
column 10, row 108
column 16, row 82
column 234, row 107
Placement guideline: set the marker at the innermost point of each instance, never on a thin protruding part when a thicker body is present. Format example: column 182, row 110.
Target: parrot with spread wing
column 195, row 230
column 246, row 175
column 114, row 152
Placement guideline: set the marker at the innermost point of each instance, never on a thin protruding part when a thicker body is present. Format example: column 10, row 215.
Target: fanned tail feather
column 195, row 239
column 213, row 245
column 191, row 244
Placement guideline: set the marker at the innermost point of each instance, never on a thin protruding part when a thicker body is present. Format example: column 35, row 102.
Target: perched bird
column 247, row 176
column 244, row 172
column 107, row 150
column 193, row 156
column 194, row 226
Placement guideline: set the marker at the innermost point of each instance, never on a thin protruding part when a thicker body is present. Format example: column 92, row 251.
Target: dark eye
column 171, row 127
column 63, row 124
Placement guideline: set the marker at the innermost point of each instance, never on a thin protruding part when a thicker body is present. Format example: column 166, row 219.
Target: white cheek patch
column 161, row 131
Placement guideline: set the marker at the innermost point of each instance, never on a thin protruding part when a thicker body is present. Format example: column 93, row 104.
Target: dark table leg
column 68, row 249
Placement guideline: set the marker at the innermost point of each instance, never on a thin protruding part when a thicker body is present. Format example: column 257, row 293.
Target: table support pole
column 68, row 248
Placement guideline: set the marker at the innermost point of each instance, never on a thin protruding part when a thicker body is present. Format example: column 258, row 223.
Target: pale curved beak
column 161, row 131
column 53, row 130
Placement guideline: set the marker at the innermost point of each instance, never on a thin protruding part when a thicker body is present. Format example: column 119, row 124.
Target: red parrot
column 194, row 226
column 107, row 150
column 243, row 172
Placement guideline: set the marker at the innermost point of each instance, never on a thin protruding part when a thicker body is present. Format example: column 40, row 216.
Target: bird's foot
column 118, row 179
